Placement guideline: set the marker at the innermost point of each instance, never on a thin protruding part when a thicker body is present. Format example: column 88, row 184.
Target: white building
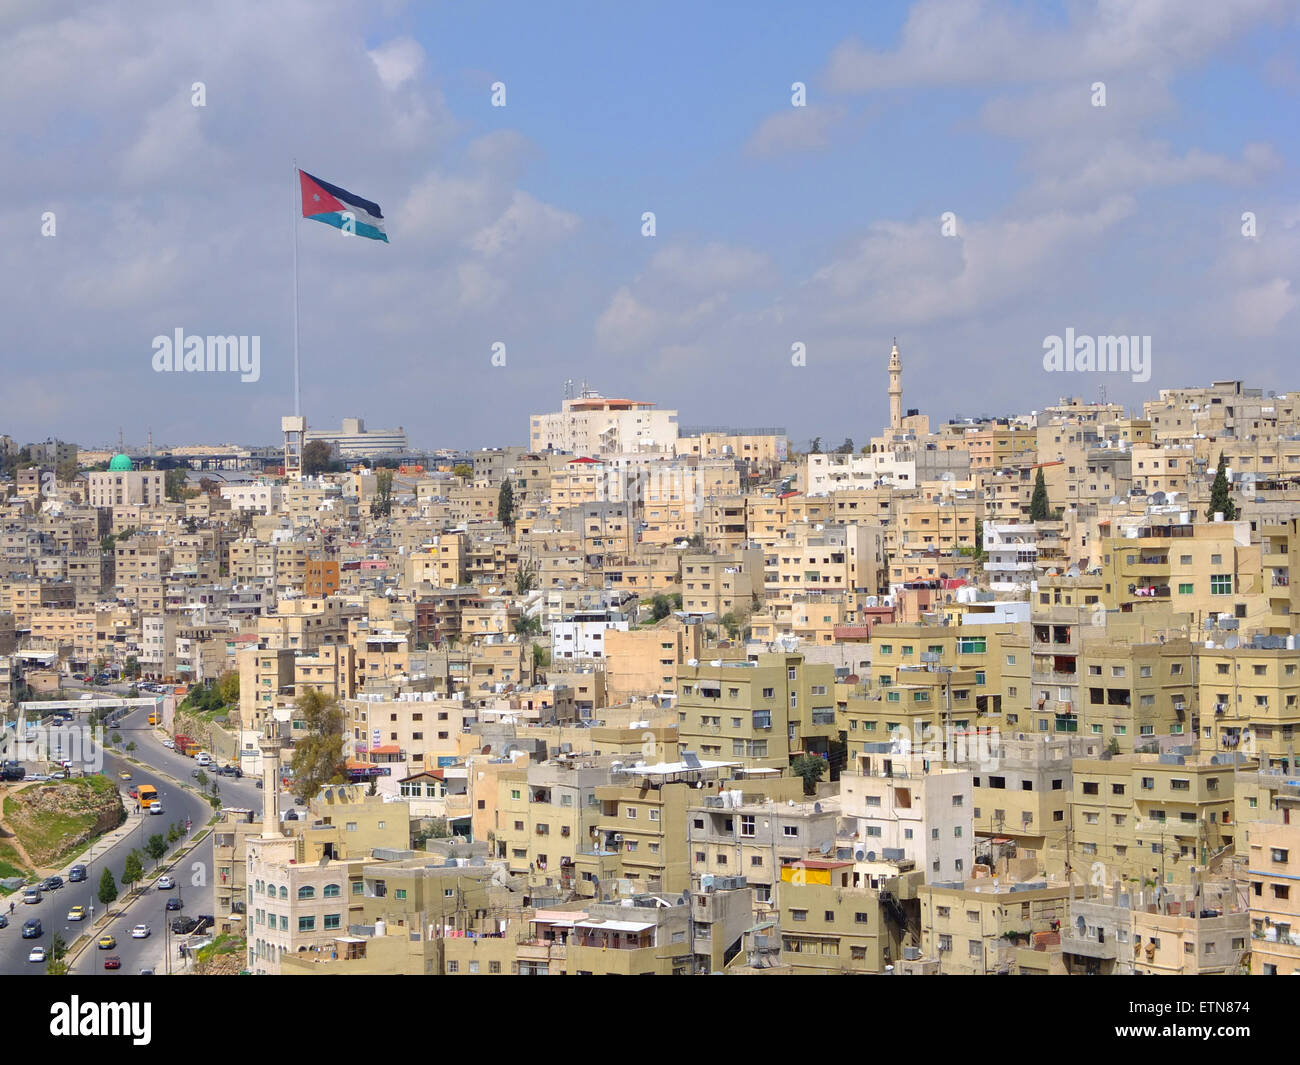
column 583, row 635
column 1011, row 554
column 255, row 498
column 829, row 473
column 595, row 425
column 355, row 441
column 905, row 812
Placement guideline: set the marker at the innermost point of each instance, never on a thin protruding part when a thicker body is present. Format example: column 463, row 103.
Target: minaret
column 895, row 388
column 270, row 747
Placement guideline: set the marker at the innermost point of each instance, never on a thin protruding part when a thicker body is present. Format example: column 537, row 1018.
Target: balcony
column 1149, row 591
column 1089, row 948
column 1152, row 831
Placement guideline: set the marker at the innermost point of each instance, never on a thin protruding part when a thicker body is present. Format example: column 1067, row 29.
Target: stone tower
column 895, row 388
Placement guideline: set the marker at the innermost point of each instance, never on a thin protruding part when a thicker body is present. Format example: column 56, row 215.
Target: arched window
column 332, row 891
column 306, row 893
column 284, row 892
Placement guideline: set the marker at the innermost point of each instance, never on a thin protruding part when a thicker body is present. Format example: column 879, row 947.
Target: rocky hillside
column 54, row 820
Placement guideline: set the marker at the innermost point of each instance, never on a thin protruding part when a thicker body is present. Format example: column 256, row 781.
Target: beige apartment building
column 757, row 840
column 1150, row 819
column 643, row 662
column 762, row 713
column 1274, row 872
column 724, row 583
column 975, row 928
column 829, row 925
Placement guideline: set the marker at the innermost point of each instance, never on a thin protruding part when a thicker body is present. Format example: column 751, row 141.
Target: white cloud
column 526, row 221
column 963, row 42
column 795, row 129
column 397, row 61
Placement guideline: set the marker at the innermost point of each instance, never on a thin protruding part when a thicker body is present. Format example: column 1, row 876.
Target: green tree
column 528, row 626
column 130, row 747
column 979, row 538
column 318, row 756
column 525, row 577
column 506, row 504
column 201, row 779
column 132, row 869
column 315, row 457
column 55, row 965
column 156, row 847
column 107, row 888
column 1038, row 504
column 816, row 447
column 845, row 448
column 132, row 668
column 1220, row 494
column 541, row 656
column 660, row 607
column 811, row 768
column 227, row 687
column 174, row 485
column 463, row 470
column 382, row 507
column 173, row 833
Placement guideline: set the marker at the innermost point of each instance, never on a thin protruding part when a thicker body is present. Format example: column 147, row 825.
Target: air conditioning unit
column 859, row 854
column 618, row 837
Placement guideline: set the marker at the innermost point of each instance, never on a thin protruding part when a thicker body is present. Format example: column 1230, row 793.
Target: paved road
column 178, row 803
column 158, row 951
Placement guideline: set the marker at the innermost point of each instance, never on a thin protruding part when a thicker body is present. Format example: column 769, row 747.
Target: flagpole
column 293, row 204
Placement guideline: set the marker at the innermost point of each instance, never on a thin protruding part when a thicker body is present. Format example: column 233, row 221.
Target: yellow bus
column 154, row 719
column 147, row 793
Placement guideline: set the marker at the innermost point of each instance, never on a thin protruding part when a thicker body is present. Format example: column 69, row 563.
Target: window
column 306, row 893
column 1220, row 583
column 331, row 891
column 790, row 830
column 306, row 924
column 332, row 921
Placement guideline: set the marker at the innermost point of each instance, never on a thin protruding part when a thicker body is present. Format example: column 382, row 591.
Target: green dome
column 119, row 463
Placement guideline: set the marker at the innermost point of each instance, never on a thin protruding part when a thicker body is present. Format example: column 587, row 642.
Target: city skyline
column 833, row 226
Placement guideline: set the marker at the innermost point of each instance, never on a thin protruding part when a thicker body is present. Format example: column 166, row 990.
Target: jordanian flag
column 323, row 202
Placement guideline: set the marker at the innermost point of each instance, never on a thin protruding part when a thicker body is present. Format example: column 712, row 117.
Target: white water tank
column 380, row 927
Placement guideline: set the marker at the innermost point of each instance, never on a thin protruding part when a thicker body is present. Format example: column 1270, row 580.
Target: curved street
column 171, row 774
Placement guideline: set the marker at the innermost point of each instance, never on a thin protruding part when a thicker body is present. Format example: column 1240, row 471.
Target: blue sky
column 775, row 225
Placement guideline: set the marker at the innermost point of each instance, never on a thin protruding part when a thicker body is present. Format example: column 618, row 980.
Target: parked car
column 140, row 931
column 36, row 954
column 77, row 913
column 170, row 744
column 52, row 883
column 77, row 874
column 165, row 883
column 175, row 903
column 183, row 926
column 106, row 942
column 32, row 929
column 31, row 896
column 124, row 775
column 146, row 972
column 134, row 793
column 112, row 962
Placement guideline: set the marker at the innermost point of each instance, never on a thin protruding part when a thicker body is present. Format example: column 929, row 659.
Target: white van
column 155, row 807
column 203, row 758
